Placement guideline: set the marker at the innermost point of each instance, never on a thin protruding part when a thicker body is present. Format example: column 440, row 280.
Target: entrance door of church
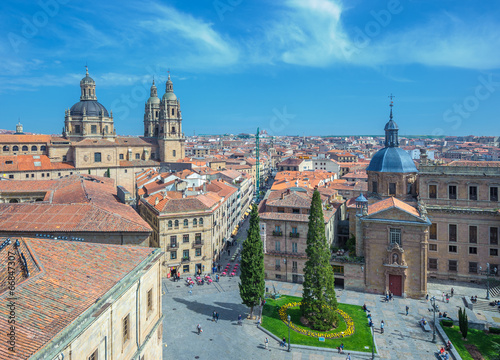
column 396, row 284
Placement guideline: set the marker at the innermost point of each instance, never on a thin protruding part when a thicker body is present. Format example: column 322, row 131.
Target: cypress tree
column 252, row 283
column 463, row 322
column 318, row 287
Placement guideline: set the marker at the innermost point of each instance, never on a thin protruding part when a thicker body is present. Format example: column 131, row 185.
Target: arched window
column 173, row 111
column 176, row 223
column 186, row 223
column 201, row 221
column 195, row 222
column 25, row 148
column 170, row 223
column 43, row 148
column 5, row 148
column 15, row 148
column 34, row 148
column 173, row 129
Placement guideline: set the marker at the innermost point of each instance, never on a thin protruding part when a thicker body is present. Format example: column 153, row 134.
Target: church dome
column 391, row 125
column 154, row 100
column 169, row 96
column 392, row 159
column 92, row 108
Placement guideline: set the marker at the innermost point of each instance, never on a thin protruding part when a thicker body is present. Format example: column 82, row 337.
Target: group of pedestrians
column 215, row 316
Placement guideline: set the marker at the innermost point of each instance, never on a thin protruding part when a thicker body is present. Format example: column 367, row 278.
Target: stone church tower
column 163, row 121
column 88, row 119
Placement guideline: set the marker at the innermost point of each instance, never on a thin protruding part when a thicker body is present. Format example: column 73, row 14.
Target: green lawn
column 362, row 336
column 485, row 343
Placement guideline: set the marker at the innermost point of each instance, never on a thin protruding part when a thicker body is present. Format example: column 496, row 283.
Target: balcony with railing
column 277, row 267
column 277, row 233
column 198, row 244
column 294, row 235
column 294, row 269
column 185, row 259
column 290, row 254
column 173, row 246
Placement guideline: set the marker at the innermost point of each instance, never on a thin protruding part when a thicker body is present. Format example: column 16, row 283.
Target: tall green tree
column 319, row 303
column 463, row 322
column 252, row 283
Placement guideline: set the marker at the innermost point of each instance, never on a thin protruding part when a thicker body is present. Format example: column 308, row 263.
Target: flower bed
column 328, row 335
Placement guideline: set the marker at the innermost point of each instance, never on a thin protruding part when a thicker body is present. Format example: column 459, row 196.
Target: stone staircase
column 495, row 289
column 484, row 305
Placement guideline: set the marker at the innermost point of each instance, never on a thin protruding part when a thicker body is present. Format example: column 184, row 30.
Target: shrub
column 448, row 323
column 494, row 330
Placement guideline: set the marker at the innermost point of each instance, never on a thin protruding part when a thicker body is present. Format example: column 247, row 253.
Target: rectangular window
column 281, row 210
column 185, row 254
column 473, row 267
column 294, row 247
column 452, row 232
column 375, row 186
column 94, row 356
column 185, row 268
column 197, row 238
column 27, row 175
column 77, row 129
column 433, row 191
column 150, row 300
column 97, row 157
column 278, row 264
column 173, row 241
column 433, row 264
column 137, row 156
column 433, row 247
column 126, row 328
column 452, row 192
column 452, row 248
column 493, row 236
column 93, row 129
column 278, row 276
column 473, row 234
column 277, row 228
column 121, row 156
column 472, row 192
column 185, row 238
column 494, row 193
column 395, row 236
column 294, row 230
column 294, row 266
column 452, row 265
column 392, row 188
column 493, row 252
column 277, row 246
column 296, row 211
column 472, row 250
column 197, row 252
column 433, row 232
column 64, row 158
column 173, row 255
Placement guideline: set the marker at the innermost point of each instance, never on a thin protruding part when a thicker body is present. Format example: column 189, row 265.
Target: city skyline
column 315, row 68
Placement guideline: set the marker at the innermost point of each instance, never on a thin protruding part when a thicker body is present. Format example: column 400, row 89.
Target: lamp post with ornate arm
column 434, row 309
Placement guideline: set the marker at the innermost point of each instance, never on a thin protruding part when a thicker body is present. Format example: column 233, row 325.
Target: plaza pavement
column 403, row 337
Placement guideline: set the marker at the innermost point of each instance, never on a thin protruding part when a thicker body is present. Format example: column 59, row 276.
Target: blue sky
column 316, row 67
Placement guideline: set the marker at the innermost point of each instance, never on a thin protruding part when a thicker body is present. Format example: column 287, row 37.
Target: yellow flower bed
column 328, row 335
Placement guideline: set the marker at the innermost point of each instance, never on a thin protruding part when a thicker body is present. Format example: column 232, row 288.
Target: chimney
column 205, row 187
column 157, row 200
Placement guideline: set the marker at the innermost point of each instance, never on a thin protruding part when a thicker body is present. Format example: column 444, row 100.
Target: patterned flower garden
column 352, row 330
column 328, row 335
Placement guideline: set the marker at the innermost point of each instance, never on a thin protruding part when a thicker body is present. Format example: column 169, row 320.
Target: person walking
column 267, row 343
column 427, row 297
column 216, row 317
column 348, row 356
column 213, row 315
column 284, row 342
column 198, row 327
column 452, row 291
column 443, row 297
column 239, row 320
column 407, row 309
column 382, row 327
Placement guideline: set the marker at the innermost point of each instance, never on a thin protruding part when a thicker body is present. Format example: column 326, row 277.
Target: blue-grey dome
column 391, row 125
column 392, row 159
column 361, row 198
column 92, row 108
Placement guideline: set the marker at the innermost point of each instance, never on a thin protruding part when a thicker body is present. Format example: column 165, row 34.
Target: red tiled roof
column 10, row 163
column 24, row 139
column 391, row 203
column 66, row 278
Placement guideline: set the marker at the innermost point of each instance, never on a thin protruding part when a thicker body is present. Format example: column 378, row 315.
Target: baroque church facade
column 89, row 142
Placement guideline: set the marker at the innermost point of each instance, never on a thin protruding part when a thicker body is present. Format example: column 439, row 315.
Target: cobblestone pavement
column 403, row 337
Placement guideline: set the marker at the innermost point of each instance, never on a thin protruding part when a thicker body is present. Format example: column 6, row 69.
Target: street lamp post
column 433, row 304
column 373, row 342
column 487, row 278
column 289, row 318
